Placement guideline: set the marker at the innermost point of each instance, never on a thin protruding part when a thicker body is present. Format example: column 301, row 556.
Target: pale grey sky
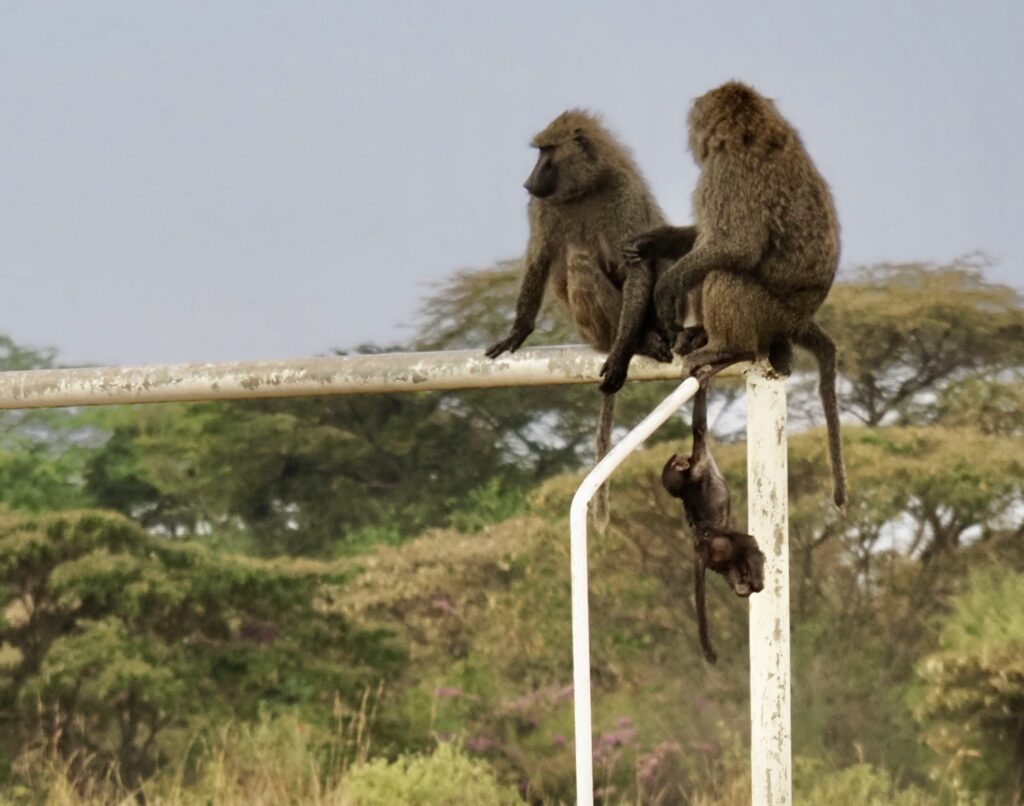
column 189, row 181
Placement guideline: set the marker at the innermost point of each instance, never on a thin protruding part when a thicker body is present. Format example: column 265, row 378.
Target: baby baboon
column 766, row 251
column 697, row 481
column 588, row 200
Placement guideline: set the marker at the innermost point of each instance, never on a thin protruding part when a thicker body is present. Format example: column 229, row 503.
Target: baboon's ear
column 585, row 143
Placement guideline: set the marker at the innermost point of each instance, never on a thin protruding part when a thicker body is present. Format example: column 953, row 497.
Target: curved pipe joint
column 578, row 564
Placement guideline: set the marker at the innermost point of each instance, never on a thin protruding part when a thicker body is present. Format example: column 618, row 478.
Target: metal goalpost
column 767, row 517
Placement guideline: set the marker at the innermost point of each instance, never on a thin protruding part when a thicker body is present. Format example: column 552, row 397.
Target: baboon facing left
column 588, row 199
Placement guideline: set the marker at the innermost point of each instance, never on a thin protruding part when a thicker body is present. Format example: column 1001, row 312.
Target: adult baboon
column 766, row 250
column 697, row 481
column 587, row 201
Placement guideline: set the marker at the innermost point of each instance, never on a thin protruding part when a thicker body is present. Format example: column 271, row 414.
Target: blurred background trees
column 187, row 588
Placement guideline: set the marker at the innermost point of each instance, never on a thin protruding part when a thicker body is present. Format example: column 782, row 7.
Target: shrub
column 447, row 776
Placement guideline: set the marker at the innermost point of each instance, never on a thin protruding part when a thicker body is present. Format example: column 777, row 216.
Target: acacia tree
column 906, row 332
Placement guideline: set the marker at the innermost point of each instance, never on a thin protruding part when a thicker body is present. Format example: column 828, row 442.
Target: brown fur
column 697, row 481
column 767, row 246
column 588, row 200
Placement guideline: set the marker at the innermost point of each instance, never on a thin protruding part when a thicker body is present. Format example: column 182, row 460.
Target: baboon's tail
column 599, row 510
column 700, row 602
column 813, row 338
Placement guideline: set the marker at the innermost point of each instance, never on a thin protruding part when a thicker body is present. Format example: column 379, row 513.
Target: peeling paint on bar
column 333, row 375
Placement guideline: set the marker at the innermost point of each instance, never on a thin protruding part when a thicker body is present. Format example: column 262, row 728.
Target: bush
column 447, row 776
column 856, row 785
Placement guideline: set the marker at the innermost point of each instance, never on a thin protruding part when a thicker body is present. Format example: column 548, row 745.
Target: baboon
column 697, row 481
column 588, row 199
column 766, row 250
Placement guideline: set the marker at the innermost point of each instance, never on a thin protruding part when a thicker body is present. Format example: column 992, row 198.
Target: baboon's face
column 543, row 180
column 564, row 171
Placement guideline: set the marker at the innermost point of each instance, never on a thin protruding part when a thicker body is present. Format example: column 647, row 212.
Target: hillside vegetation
column 366, row 600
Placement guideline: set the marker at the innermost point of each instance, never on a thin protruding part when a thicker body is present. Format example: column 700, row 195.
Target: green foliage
column 856, row 785
column 971, row 697
column 42, row 451
column 489, row 503
column 445, row 776
column 35, row 478
column 991, row 406
column 907, row 331
column 120, row 638
column 131, row 656
column 303, row 474
column 147, row 469
column 317, row 476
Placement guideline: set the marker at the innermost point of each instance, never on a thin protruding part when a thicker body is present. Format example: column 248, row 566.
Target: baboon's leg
column 631, row 336
column 593, row 300
column 780, row 356
column 710, row 360
column 689, row 272
column 661, row 243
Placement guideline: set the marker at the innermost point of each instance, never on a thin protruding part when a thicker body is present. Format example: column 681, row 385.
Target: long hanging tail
column 813, row 338
column 599, row 510
column 700, row 601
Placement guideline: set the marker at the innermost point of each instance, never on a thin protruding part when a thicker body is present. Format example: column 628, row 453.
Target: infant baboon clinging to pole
column 766, row 250
column 588, row 200
column 697, row 481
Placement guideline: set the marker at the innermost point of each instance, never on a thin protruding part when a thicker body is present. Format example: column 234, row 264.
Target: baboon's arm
column 636, row 296
column 531, row 295
column 690, row 270
column 661, row 243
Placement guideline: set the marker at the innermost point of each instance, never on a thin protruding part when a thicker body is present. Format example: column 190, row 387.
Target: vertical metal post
column 580, row 580
column 768, row 521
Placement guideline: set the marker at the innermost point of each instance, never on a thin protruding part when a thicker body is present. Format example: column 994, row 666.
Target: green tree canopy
column 114, row 638
column 908, row 331
column 971, row 694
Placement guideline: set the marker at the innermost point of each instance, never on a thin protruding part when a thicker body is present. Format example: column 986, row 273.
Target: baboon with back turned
column 766, row 250
column 588, row 199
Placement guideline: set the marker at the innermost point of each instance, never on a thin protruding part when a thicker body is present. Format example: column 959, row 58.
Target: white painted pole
column 768, row 522
column 333, row 375
column 580, row 586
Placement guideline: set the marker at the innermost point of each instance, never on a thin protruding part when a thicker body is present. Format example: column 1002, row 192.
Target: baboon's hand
column 614, row 371
column 640, row 249
column 510, row 344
